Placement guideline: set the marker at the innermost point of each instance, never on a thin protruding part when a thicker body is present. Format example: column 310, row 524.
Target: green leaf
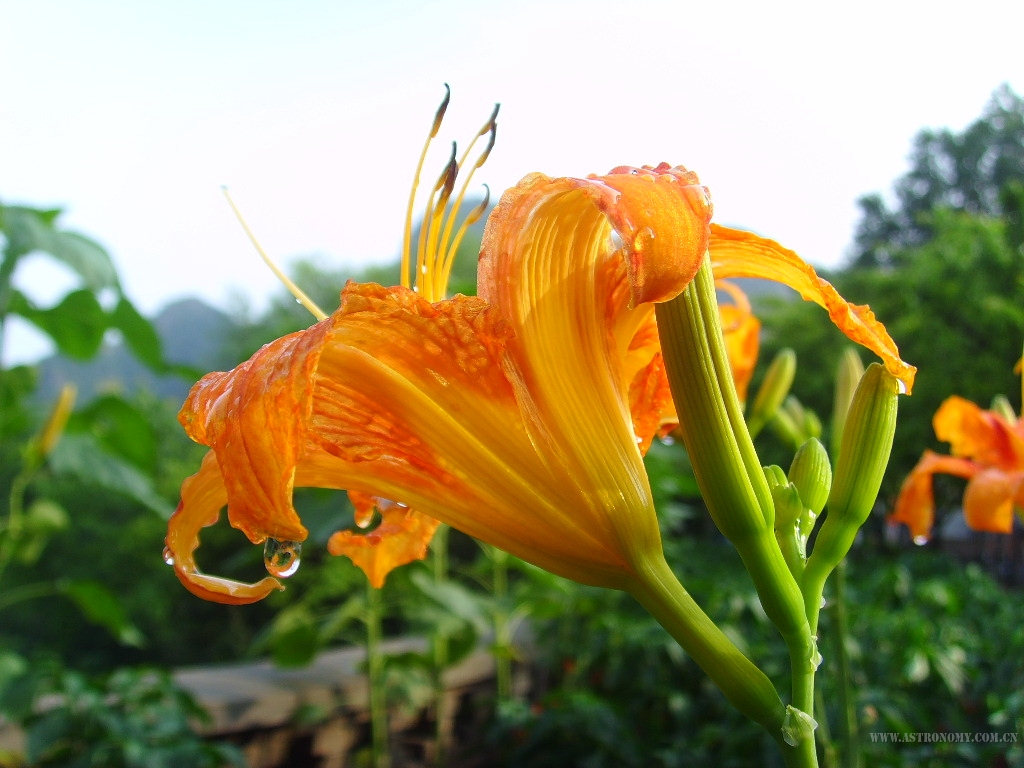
column 121, row 428
column 42, row 519
column 139, row 334
column 294, row 639
column 31, row 230
column 453, row 599
column 76, row 324
column 100, row 606
column 80, row 455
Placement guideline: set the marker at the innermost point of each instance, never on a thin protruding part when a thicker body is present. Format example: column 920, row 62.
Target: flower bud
column 1002, row 406
column 51, row 432
column 811, row 473
column 863, row 456
column 773, row 390
column 848, row 375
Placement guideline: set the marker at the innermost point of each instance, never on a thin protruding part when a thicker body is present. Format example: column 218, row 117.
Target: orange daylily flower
column 987, row 450
column 519, row 417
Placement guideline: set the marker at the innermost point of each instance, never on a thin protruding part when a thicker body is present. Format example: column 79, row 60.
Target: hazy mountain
column 192, row 333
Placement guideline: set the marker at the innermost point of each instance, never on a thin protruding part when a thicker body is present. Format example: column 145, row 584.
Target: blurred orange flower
column 987, row 450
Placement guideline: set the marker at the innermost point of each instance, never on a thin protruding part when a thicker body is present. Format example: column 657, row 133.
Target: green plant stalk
column 439, row 554
column 658, row 590
column 10, row 529
column 849, row 732
column 727, row 467
column 502, row 624
column 375, row 678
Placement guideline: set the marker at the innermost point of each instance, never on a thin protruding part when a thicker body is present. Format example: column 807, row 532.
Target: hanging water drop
column 281, row 558
column 920, row 540
column 168, row 556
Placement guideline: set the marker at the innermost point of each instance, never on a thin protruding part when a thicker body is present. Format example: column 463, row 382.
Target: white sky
column 131, row 115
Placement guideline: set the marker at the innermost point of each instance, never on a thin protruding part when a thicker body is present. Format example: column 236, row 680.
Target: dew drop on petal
column 168, row 556
column 281, row 558
column 920, row 540
column 668, row 440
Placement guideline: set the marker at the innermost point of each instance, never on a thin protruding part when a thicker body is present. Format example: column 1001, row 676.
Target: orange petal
column 202, row 497
column 978, row 434
column 988, row 501
column 915, row 506
column 255, row 418
column 402, row 536
column 743, row 254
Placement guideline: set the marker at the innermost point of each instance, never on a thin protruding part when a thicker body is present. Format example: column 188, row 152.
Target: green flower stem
column 658, row 590
column 849, row 732
column 439, row 555
column 502, row 624
column 727, row 467
column 10, row 529
column 375, row 676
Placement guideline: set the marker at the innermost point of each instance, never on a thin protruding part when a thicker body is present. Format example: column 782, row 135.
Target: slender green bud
column 811, row 473
column 1002, row 406
column 848, row 375
column 773, row 390
column 788, row 512
column 863, row 456
column 812, row 424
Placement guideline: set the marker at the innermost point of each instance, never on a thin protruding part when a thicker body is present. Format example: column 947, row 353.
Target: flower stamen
column 437, row 245
column 298, row 293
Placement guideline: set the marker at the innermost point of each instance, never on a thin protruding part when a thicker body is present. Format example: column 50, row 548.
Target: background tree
column 945, row 270
column 966, row 171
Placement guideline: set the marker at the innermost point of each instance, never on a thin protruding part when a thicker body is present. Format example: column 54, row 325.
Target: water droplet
column 824, row 602
column 281, row 558
column 901, row 387
column 920, row 540
column 668, row 440
column 168, row 556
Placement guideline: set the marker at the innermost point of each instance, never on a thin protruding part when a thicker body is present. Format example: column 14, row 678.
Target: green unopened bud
column 811, row 473
column 812, row 424
column 777, row 382
column 774, row 476
column 863, row 456
column 1002, row 406
column 789, row 511
column 848, row 375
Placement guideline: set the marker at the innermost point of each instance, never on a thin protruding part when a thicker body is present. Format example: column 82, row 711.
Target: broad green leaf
column 100, row 606
column 139, row 334
column 454, row 599
column 29, row 230
column 80, row 455
column 294, row 639
column 121, row 428
column 76, row 324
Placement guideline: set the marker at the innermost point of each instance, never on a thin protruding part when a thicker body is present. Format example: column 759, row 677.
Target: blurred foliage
column 966, row 171
column 952, row 297
column 131, row 718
